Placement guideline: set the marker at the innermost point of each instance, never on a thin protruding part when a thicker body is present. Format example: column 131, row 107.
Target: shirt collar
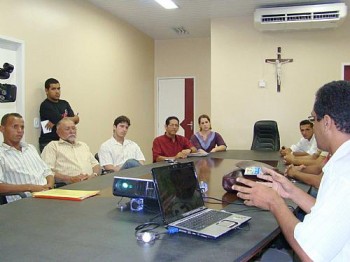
column 126, row 141
column 342, row 151
column 169, row 138
column 24, row 146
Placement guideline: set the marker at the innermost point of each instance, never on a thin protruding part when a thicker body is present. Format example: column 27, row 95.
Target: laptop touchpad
column 227, row 223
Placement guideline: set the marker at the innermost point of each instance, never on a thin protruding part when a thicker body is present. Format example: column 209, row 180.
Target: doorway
column 346, row 71
column 176, row 98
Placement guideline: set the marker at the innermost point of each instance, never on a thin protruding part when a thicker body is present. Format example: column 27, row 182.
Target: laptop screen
column 178, row 190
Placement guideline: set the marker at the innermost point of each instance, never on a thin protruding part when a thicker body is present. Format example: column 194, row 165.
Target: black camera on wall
column 6, row 70
column 7, row 92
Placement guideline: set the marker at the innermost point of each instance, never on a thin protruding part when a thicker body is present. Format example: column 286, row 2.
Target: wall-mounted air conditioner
column 300, row 17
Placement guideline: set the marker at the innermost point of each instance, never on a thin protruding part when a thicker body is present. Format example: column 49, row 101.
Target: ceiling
column 191, row 19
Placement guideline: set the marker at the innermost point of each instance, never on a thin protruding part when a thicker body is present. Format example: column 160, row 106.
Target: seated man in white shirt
column 70, row 160
column 21, row 168
column 305, row 152
column 117, row 152
column 307, row 144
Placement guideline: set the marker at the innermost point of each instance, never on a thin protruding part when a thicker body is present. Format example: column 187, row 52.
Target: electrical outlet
column 36, row 122
column 262, row 83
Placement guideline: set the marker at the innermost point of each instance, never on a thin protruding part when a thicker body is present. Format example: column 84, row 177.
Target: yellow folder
column 66, row 194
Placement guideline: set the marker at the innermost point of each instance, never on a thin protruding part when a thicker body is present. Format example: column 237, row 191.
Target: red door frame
column 188, row 123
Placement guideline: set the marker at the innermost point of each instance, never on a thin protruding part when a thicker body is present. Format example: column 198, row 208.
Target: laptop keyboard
column 203, row 220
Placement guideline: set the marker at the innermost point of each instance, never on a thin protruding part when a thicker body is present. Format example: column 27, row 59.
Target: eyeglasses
column 311, row 119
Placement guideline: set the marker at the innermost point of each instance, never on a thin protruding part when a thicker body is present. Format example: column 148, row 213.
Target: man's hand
column 257, row 194
column 278, row 182
column 78, row 178
column 49, row 125
column 288, row 159
column 38, row 188
column 117, row 168
column 186, row 152
column 181, row 155
column 285, row 151
column 291, row 170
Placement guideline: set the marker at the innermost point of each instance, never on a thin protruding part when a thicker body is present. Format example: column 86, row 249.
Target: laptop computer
column 182, row 205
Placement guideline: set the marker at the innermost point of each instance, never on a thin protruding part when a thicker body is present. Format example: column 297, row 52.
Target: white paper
column 201, row 153
column 43, row 126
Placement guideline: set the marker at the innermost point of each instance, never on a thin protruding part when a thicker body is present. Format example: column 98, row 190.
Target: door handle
column 191, row 125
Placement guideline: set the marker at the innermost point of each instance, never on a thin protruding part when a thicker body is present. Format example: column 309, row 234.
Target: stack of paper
column 65, row 194
column 200, row 153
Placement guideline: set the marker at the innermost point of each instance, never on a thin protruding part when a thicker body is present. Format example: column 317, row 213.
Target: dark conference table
column 96, row 230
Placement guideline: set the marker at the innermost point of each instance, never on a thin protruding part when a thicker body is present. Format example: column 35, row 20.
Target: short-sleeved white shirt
column 22, row 167
column 304, row 145
column 325, row 233
column 114, row 153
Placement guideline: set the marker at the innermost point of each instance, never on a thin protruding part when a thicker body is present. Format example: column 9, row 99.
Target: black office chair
column 96, row 157
column 103, row 171
column 3, row 199
column 266, row 136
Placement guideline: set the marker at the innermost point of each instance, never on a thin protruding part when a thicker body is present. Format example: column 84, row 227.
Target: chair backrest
column 103, row 171
column 3, row 200
column 97, row 157
column 266, row 136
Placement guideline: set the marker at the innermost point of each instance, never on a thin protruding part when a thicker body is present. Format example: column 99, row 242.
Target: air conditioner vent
column 326, row 15
column 273, row 18
column 300, row 17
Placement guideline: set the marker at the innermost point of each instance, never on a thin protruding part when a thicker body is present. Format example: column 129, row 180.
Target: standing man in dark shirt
column 53, row 109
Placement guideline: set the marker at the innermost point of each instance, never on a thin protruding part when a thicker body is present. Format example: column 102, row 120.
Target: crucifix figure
column 278, row 62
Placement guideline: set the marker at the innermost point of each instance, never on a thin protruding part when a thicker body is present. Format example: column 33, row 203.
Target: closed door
column 176, row 98
column 346, row 70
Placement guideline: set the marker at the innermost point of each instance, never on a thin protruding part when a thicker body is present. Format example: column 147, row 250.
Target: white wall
column 238, row 54
column 187, row 57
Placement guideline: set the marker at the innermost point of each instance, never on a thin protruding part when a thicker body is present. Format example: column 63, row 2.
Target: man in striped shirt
column 69, row 159
column 21, row 169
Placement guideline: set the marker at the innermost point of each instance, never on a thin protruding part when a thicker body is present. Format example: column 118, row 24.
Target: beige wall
column 105, row 66
column 187, row 57
column 238, row 54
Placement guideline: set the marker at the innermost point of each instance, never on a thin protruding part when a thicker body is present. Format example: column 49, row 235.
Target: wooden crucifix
column 278, row 63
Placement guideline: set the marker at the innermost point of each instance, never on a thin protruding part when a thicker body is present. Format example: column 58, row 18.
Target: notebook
column 182, row 205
